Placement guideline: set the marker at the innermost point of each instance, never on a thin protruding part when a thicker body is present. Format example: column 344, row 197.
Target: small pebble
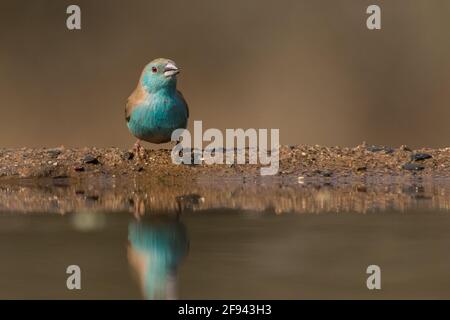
column 420, row 156
column 380, row 148
column 128, row 155
column 54, row 153
column 90, row 159
column 413, row 166
column 405, row 148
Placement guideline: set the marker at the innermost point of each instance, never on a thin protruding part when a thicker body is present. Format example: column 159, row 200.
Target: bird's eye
column 154, row 69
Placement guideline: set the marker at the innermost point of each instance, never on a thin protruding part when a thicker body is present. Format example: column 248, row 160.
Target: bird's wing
column 134, row 99
column 184, row 100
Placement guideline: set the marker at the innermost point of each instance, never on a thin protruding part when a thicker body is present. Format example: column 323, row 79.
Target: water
column 233, row 240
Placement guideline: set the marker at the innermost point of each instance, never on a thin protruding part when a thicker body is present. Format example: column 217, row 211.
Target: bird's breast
column 156, row 118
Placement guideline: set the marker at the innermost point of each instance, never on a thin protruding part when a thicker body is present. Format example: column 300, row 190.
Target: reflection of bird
column 156, row 108
column 157, row 246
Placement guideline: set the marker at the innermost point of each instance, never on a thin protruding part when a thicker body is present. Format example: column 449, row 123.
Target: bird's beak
column 170, row 70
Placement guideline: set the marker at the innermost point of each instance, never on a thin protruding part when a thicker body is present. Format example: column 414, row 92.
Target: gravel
column 302, row 160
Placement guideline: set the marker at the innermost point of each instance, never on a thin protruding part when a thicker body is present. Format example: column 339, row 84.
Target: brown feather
column 134, row 99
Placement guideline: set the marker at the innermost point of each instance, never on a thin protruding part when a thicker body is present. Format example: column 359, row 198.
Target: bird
column 156, row 107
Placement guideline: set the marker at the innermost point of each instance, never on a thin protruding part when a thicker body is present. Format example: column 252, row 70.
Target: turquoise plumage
column 161, row 243
column 156, row 108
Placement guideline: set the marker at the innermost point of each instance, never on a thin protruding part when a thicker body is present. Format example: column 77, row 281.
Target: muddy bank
column 299, row 161
column 311, row 179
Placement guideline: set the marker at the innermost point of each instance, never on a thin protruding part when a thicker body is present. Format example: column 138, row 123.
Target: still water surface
column 236, row 253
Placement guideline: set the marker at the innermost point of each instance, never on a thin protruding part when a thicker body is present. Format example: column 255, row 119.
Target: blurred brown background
column 310, row 68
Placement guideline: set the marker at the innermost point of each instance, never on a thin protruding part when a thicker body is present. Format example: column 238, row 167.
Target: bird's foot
column 139, row 150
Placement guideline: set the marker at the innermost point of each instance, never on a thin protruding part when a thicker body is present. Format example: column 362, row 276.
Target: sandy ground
column 299, row 161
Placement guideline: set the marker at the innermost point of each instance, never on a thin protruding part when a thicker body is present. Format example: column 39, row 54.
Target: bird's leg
column 139, row 150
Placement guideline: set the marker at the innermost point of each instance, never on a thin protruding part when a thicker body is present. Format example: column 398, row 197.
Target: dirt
column 299, row 161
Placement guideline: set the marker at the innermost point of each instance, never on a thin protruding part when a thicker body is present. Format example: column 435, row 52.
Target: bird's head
column 160, row 74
